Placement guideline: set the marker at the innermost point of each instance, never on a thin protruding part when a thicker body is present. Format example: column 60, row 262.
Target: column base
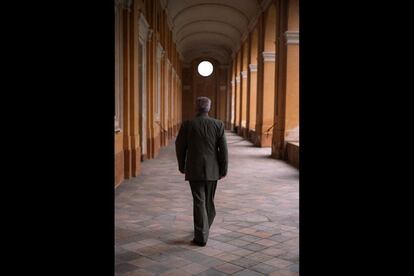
column 132, row 162
column 170, row 133
column 119, row 168
column 136, row 162
column 263, row 140
column 243, row 132
column 289, row 153
column 153, row 146
column 252, row 136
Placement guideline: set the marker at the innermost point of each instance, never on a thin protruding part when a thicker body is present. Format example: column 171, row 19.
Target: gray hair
column 203, row 104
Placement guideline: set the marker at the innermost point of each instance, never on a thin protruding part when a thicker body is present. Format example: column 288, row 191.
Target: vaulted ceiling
column 211, row 28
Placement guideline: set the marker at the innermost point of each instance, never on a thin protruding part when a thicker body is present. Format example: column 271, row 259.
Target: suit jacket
column 201, row 149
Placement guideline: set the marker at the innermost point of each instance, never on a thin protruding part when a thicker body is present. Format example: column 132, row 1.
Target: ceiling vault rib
column 207, row 21
column 198, row 33
column 212, row 4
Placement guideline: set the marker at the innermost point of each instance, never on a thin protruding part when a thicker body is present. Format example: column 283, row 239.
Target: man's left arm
column 222, row 154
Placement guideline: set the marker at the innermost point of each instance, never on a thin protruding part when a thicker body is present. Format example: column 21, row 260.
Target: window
column 205, row 68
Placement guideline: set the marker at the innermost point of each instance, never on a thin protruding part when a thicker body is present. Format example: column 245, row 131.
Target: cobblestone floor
column 255, row 231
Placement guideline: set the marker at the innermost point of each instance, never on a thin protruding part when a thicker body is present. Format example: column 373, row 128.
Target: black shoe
column 199, row 243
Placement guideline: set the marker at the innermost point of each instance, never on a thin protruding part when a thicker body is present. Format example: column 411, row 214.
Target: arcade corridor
column 255, row 231
column 252, row 47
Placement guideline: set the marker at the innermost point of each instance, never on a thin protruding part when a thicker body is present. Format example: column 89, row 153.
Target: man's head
column 203, row 105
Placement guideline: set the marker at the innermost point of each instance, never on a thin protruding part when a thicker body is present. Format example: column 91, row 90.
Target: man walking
column 202, row 155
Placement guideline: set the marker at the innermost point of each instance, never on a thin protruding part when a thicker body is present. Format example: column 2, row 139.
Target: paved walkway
column 255, row 231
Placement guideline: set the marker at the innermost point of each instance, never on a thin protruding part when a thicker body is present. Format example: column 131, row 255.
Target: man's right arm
column 181, row 147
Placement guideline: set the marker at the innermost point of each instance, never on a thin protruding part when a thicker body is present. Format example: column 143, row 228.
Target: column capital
column 238, row 79
column 292, row 37
column 253, row 67
column 269, row 56
column 243, row 74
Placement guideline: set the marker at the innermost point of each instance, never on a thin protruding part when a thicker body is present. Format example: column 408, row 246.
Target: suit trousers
column 203, row 208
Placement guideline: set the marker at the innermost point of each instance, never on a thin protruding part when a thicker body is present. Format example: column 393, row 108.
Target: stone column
column 243, row 104
column 237, row 104
column 132, row 151
column 173, row 123
column 168, row 99
column 287, row 102
column 119, row 95
column 158, row 98
column 252, row 100
column 232, row 103
column 143, row 35
column 266, row 104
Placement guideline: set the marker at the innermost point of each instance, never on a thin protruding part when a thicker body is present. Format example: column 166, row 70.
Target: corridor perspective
column 255, row 231
column 244, row 56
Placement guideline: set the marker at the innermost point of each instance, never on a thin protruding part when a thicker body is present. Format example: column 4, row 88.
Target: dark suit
column 202, row 155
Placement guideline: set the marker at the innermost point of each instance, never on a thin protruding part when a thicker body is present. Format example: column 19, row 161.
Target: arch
column 210, row 5
column 204, row 33
column 200, row 41
column 211, row 12
column 211, row 48
column 202, row 21
column 219, row 53
column 221, row 59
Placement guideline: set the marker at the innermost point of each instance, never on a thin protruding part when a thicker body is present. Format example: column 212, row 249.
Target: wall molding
column 269, row 56
column 292, row 37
